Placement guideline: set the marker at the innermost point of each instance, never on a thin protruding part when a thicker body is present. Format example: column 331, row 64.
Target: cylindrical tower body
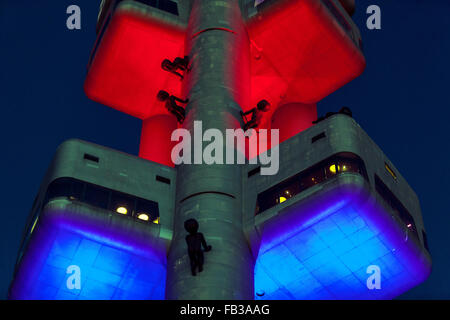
column 217, row 86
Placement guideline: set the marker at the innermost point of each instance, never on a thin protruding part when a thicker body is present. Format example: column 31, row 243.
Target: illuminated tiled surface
column 328, row 259
column 107, row 271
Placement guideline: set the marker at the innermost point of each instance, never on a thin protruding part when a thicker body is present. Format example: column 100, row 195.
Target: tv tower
column 336, row 213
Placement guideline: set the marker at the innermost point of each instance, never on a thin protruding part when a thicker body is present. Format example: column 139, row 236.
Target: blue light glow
column 329, row 258
column 107, row 272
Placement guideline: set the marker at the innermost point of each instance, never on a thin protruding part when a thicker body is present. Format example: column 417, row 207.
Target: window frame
column 132, row 212
column 267, row 196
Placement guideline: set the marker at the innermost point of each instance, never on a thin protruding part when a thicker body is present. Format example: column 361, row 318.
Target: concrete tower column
column 217, row 86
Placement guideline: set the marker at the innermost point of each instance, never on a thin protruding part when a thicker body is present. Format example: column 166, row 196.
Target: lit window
column 150, row 208
column 349, row 166
column 327, row 169
column 122, row 203
column 391, row 172
column 333, row 169
column 143, row 216
column 34, row 225
column 122, row 210
column 313, row 177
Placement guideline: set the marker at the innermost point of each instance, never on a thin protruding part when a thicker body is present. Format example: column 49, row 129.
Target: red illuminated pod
column 303, row 51
column 125, row 72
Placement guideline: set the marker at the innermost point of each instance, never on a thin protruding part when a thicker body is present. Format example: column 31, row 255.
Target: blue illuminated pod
column 329, row 246
column 113, row 264
column 328, row 223
column 84, row 221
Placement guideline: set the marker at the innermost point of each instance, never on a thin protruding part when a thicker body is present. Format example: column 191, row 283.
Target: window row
column 94, row 195
column 337, row 164
column 393, row 202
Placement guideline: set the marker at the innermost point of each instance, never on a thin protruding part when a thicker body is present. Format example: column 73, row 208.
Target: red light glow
column 156, row 144
column 126, row 72
column 300, row 53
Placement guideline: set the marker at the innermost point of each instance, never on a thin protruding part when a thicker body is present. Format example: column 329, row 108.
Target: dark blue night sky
column 402, row 100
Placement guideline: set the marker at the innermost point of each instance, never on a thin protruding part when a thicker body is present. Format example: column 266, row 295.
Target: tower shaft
column 217, row 86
